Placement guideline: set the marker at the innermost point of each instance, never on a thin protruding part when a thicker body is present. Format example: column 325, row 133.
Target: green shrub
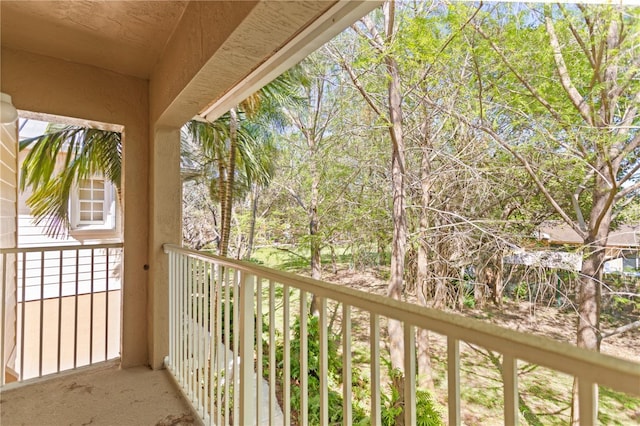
column 428, row 412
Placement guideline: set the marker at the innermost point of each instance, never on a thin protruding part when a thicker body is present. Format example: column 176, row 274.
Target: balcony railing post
column 324, row 363
column 247, row 325
column 409, row 374
column 587, row 402
column 453, row 373
column 510, row 382
column 374, row 337
column 347, row 414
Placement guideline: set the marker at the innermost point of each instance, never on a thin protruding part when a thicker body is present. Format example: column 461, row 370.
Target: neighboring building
column 622, row 247
column 8, row 226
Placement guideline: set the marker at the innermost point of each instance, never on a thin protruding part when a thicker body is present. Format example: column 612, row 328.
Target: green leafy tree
column 565, row 106
column 237, row 149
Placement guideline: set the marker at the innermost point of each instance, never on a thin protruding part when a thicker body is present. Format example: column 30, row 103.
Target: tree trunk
column 489, row 279
column 252, row 228
column 589, row 294
column 425, row 377
column 590, row 286
column 441, row 272
column 228, row 191
column 314, row 238
column 398, row 245
column 222, row 187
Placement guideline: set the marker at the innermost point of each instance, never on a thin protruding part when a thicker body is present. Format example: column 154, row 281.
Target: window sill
column 95, row 233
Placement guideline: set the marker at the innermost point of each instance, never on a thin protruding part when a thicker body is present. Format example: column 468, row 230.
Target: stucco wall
column 102, row 98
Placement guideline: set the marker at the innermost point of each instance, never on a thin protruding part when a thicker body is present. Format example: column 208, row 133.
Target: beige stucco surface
column 123, row 36
column 106, row 320
column 105, row 395
column 65, row 89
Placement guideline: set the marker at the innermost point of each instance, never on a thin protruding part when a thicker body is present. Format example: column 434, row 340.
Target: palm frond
column 86, row 152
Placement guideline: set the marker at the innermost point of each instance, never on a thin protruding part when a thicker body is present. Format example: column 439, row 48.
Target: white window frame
column 108, row 222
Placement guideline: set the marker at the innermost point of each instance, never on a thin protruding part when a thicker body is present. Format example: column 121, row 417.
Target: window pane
column 91, row 197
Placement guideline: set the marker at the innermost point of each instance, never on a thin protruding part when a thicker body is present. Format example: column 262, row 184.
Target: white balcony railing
column 225, row 316
column 60, row 308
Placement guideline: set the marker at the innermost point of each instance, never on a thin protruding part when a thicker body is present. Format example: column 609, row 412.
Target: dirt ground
column 544, row 394
column 520, row 316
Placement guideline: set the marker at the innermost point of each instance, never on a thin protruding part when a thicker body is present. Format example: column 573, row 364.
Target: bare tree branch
column 622, row 329
column 576, row 98
column 539, row 184
column 576, row 204
column 371, row 41
column 629, row 174
column 375, row 36
column 628, row 190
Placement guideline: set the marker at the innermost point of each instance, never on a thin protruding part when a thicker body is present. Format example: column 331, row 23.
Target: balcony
column 233, row 322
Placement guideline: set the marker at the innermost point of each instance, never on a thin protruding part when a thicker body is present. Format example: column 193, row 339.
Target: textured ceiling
column 127, row 37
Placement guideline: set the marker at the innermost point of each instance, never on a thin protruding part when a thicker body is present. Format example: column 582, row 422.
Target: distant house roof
column 561, row 233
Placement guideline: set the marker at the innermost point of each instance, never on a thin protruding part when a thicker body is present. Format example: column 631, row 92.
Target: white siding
column 8, row 239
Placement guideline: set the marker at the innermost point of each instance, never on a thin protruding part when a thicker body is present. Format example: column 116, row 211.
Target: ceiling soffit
column 126, row 37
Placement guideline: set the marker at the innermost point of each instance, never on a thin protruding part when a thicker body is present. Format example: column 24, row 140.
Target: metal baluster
column 510, row 382
column 106, row 305
column 24, row 308
column 60, row 308
column 246, row 406
column 236, row 347
column 227, row 343
column 286, row 375
column 304, row 361
column 272, row 354
column 219, row 354
column 75, row 314
column 41, row 335
column 347, row 409
column 3, row 303
column 374, row 337
column 453, row 372
column 324, row 363
column 587, row 402
column 91, row 308
column 409, row 374
column 259, row 413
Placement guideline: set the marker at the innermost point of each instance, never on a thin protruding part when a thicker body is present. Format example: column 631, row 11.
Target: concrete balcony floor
column 97, row 395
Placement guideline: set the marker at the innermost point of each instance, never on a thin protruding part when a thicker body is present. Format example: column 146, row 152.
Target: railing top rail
column 606, row 370
column 60, row 247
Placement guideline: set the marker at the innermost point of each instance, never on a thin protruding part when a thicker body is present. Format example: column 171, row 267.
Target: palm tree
column 237, row 143
column 233, row 156
column 87, row 152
